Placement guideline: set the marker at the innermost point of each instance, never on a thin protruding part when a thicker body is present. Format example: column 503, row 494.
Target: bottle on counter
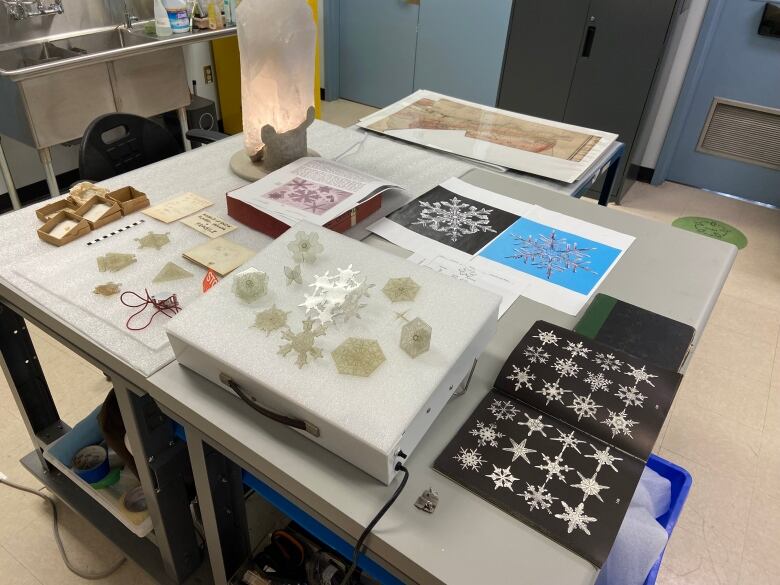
column 215, row 15
column 162, row 24
column 177, row 15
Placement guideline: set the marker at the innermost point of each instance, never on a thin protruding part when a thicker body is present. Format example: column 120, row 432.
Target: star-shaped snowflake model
column 640, row 375
column 303, row 343
column 566, row 367
column 575, row 517
column 603, row 458
column 502, row 477
column 536, row 354
column 546, row 337
column 568, row 441
column 607, row 362
column 630, row 395
column 590, row 486
column 305, row 247
column 534, row 424
column 153, row 240
column 577, row 349
column 335, row 295
column 619, row 423
column 584, row 406
column 503, row 410
column 552, row 391
column 271, row 320
column 538, row 498
column 469, row 459
column 521, row 377
column 486, row 434
column 454, row 218
column 554, row 467
column 597, row 381
column 519, row 450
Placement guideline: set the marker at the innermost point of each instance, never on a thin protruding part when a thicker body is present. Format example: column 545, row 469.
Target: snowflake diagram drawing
column 557, row 256
column 307, row 195
column 453, row 220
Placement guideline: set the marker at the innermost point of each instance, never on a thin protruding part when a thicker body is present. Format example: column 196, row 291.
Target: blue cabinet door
column 460, row 47
column 377, row 46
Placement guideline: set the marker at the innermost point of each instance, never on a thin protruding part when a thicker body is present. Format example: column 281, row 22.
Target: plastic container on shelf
column 177, row 15
column 162, row 23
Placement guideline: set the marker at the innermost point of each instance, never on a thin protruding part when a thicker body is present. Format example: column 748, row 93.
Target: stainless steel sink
column 100, row 42
column 32, row 55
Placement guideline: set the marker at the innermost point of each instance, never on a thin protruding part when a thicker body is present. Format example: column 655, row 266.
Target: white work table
column 466, row 540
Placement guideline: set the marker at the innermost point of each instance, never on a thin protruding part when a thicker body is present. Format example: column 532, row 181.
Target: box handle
column 295, row 423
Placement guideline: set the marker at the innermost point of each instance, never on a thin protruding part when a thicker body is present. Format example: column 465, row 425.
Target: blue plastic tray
column 681, row 482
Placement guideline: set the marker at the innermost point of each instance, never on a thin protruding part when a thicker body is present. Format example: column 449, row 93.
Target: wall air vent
column 742, row 131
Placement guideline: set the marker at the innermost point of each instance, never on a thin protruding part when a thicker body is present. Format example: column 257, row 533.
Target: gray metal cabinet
column 586, row 62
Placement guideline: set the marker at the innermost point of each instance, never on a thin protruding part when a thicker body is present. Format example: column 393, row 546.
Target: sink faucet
column 129, row 18
column 21, row 9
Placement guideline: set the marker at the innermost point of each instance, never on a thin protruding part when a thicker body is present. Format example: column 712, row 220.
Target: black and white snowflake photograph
column 454, row 220
column 562, row 482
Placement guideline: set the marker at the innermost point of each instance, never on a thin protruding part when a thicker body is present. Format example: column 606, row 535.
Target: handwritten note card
column 177, row 207
column 211, row 225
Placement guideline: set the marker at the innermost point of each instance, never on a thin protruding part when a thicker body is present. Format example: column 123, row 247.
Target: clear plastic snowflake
column 469, row 459
column 603, row 458
column 546, row 337
column 584, row 406
column 630, row 395
column 519, row 450
column 502, row 477
column 293, row 274
column 536, row 354
column 271, row 319
column 575, row 517
column 534, row 424
column 521, row 377
column 589, row 486
column 401, row 289
column 538, row 498
column 597, row 381
column 551, row 254
column 607, row 362
column 577, row 349
column 554, row 467
column 336, row 295
column 640, row 375
column 619, row 423
column 303, row 343
column 552, row 391
column 503, row 410
column 250, row 285
column 454, row 218
column 305, row 247
column 566, row 367
column 486, row 434
column 568, row 441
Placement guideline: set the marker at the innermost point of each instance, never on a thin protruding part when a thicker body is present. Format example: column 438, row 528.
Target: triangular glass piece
column 170, row 272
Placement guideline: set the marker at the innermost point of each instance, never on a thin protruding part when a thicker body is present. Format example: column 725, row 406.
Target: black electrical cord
column 361, row 541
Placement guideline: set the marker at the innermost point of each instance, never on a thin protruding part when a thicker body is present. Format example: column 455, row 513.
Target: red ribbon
column 168, row 306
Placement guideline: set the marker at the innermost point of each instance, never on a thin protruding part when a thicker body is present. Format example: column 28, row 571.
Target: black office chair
column 117, row 143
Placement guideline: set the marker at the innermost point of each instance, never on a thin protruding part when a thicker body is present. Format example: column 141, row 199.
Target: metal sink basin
column 103, row 41
column 32, row 55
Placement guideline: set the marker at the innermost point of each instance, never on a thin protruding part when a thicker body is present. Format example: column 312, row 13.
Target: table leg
column 185, row 126
column 51, row 178
column 164, row 471
column 220, row 490
column 609, row 179
column 8, row 179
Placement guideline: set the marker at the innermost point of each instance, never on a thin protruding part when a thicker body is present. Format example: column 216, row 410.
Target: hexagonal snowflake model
column 306, row 247
column 250, row 285
column 271, row 319
column 358, row 357
column 303, row 343
column 416, row 337
column 401, row 289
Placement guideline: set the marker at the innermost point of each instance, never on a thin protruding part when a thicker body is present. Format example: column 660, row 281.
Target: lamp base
column 244, row 167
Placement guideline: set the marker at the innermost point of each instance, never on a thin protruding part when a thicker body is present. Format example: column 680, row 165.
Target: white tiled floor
column 724, row 427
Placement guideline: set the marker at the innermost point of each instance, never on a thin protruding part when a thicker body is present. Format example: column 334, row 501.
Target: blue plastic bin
column 681, row 482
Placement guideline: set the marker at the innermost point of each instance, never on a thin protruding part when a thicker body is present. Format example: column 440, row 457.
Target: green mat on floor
column 712, row 228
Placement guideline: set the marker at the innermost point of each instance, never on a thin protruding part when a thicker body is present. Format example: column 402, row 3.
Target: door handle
column 590, row 36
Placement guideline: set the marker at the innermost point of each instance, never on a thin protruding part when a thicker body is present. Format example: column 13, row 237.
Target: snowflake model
column 551, row 254
column 469, row 459
column 546, row 337
column 303, row 343
column 534, row 424
column 575, row 517
column 568, row 441
column 486, row 434
column 584, row 406
column 552, row 391
column 604, row 458
column 619, row 423
column 536, row 354
column 566, row 367
column 630, row 395
column 454, row 218
column 271, row 319
column 336, row 295
column 502, row 477
column 589, row 486
column 554, row 467
column 577, row 349
column 607, row 362
column 640, row 375
column 519, row 450
column 597, row 381
column 503, row 410
column 537, row 497
column 521, row 377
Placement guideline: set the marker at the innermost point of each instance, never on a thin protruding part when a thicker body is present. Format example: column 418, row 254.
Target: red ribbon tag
column 209, row 280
